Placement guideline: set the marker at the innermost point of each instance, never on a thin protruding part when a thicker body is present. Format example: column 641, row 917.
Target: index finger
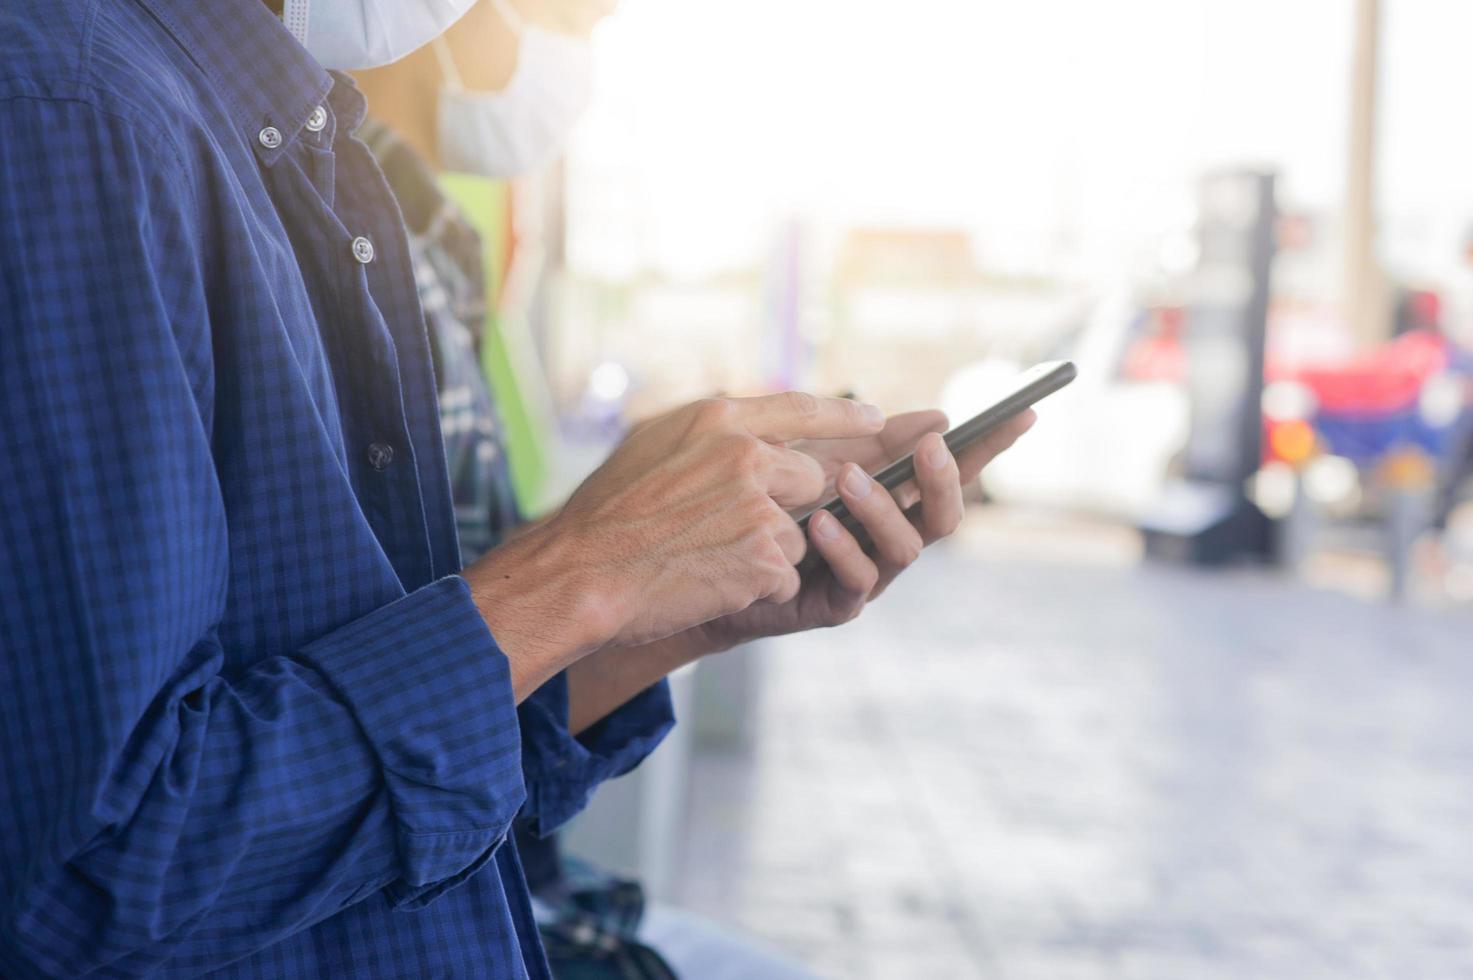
column 898, row 437
column 799, row 415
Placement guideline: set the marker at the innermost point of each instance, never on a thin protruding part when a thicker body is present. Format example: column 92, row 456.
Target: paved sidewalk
column 1019, row 768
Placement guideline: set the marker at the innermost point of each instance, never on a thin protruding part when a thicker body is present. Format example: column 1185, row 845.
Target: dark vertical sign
column 1206, row 516
column 1226, row 325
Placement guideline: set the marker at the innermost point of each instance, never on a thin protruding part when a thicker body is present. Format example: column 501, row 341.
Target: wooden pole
column 1364, row 291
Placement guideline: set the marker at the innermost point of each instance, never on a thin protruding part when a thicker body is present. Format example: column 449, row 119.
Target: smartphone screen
column 1032, row 385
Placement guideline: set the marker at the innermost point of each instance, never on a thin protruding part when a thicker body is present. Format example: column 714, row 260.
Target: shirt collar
column 347, row 103
column 267, row 78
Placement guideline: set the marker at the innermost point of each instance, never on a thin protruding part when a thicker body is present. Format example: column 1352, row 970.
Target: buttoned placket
column 393, row 475
column 370, row 391
column 380, row 454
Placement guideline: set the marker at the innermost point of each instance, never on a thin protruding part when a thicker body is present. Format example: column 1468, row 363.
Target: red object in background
column 1425, row 309
column 1158, row 355
column 1382, row 380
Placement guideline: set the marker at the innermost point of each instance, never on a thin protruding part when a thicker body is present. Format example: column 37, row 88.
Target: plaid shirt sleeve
column 562, row 770
column 167, row 789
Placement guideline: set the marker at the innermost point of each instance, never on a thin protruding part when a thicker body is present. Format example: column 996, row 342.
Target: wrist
column 708, row 638
column 685, row 647
column 545, row 605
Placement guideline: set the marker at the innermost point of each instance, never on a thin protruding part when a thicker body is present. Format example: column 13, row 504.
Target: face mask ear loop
column 446, row 58
column 511, row 16
column 514, row 20
column 294, row 16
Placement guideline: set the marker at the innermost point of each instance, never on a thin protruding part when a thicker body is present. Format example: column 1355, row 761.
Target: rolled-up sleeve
column 431, row 694
column 163, row 791
column 562, row 770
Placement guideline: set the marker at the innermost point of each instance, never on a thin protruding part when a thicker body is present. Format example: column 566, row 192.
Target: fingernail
column 826, row 526
column 936, row 454
column 857, row 482
column 872, row 414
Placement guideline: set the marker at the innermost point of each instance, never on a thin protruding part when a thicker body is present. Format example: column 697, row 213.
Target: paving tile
column 1036, row 771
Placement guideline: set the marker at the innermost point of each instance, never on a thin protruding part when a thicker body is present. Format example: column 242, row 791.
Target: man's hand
column 922, row 512
column 687, row 521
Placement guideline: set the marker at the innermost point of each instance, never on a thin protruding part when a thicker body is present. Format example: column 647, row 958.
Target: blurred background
column 1188, row 696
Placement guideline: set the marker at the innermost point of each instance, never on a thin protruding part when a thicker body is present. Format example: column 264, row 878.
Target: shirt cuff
column 432, row 693
column 561, row 770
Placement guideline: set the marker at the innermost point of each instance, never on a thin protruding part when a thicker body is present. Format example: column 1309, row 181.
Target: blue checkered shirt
column 251, row 724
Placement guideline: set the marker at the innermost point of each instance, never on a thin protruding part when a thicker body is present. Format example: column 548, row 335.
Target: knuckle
column 817, row 481
column 907, row 551
column 758, row 542
column 776, row 571
column 775, row 577
column 779, row 558
column 801, row 403
column 744, row 452
column 939, row 521
column 954, row 521
column 713, row 412
column 797, row 545
column 846, row 613
column 758, row 516
column 779, row 524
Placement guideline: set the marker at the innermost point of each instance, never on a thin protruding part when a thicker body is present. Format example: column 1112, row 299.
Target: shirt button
column 380, row 455
column 317, row 120
column 363, row 250
column 270, row 137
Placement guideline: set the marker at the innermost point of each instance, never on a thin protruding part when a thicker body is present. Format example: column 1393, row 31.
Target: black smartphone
column 1032, row 385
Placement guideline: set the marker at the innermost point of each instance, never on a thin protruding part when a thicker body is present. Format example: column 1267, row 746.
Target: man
column 587, row 929
column 509, row 113
column 257, row 720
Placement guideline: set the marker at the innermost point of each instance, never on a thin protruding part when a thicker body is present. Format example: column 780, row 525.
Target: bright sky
column 1064, row 134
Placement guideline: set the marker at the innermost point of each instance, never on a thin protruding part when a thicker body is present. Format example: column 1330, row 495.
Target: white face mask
column 523, row 127
column 352, row 34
